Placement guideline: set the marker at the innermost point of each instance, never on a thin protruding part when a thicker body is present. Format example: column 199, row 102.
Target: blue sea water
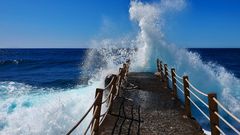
column 43, row 67
column 44, row 91
column 64, row 78
column 65, row 67
column 227, row 57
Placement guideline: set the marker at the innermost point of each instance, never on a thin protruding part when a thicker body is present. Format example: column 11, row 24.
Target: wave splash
column 151, row 44
column 25, row 109
column 208, row 77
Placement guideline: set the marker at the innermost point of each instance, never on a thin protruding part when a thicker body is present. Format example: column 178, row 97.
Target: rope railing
column 179, row 81
column 84, row 116
column 220, row 130
column 114, row 86
column 179, row 88
column 105, row 114
column 198, row 98
column 110, row 83
column 169, row 78
column 228, row 112
column 204, row 114
column 227, row 123
column 179, row 77
column 111, row 90
column 212, row 105
column 194, row 88
column 86, row 131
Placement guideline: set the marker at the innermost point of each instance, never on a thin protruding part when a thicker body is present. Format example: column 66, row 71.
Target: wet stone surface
column 146, row 107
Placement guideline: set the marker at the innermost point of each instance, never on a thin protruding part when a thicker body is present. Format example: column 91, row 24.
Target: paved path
column 147, row 109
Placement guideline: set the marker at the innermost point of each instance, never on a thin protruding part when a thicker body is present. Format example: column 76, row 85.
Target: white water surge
column 50, row 112
column 206, row 76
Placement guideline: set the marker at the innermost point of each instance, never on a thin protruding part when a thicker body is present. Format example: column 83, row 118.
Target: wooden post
column 127, row 64
column 113, row 87
column 120, row 74
column 158, row 66
column 214, row 120
column 161, row 71
column 124, row 66
column 97, row 111
column 124, row 70
column 187, row 94
column 113, row 94
column 174, row 87
column 166, row 75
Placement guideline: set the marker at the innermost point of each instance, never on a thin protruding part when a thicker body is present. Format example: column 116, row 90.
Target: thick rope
column 227, row 123
column 228, row 112
column 177, row 75
column 70, row 131
column 179, row 88
column 109, row 84
column 169, row 78
column 89, row 126
column 105, row 114
column 179, row 81
column 198, row 98
column 220, row 130
column 204, row 114
column 108, row 96
column 194, row 88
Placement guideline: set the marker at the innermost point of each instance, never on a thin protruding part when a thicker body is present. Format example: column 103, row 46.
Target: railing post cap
column 212, row 95
column 114, row 75
column 99, row 89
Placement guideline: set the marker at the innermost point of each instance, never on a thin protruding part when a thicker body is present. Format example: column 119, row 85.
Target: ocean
column 227, row 57
column 63, row 68
column 45, row 91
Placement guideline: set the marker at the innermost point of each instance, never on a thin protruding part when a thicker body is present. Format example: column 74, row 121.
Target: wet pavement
column 146, row 107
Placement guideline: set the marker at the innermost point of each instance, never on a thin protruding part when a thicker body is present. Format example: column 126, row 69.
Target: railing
column 186, row 89
column 98, row 118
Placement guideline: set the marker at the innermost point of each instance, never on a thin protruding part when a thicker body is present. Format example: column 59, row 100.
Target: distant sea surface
column 42, row 67
column 64, row 67
column 227, row 57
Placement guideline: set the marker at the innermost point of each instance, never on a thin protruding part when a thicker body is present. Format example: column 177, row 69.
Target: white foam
column 49, row 113
column 151, row 42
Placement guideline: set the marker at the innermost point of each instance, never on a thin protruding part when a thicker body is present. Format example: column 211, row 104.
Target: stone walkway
column 145, row 107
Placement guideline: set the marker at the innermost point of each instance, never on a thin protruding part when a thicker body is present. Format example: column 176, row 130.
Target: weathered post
column 186, row 95
column 121, row 76
column 97, row 111
column 214, row 120
column 113, row 86
column 166, row 75
column 112, row 95
column 128, row 64
column 124, row 66
column 161, row 71
column 124, row 71
column 158, row 66
column 174, row 87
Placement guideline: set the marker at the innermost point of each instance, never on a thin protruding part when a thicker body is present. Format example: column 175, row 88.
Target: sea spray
column 151, row 44
column 46, row 112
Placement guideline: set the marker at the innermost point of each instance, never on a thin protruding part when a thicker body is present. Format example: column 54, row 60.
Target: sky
column 74, row 23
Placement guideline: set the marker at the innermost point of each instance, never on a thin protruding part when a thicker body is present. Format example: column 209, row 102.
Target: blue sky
column 73, row 23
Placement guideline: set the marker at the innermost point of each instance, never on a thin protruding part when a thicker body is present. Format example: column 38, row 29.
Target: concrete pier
column 146, row 106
